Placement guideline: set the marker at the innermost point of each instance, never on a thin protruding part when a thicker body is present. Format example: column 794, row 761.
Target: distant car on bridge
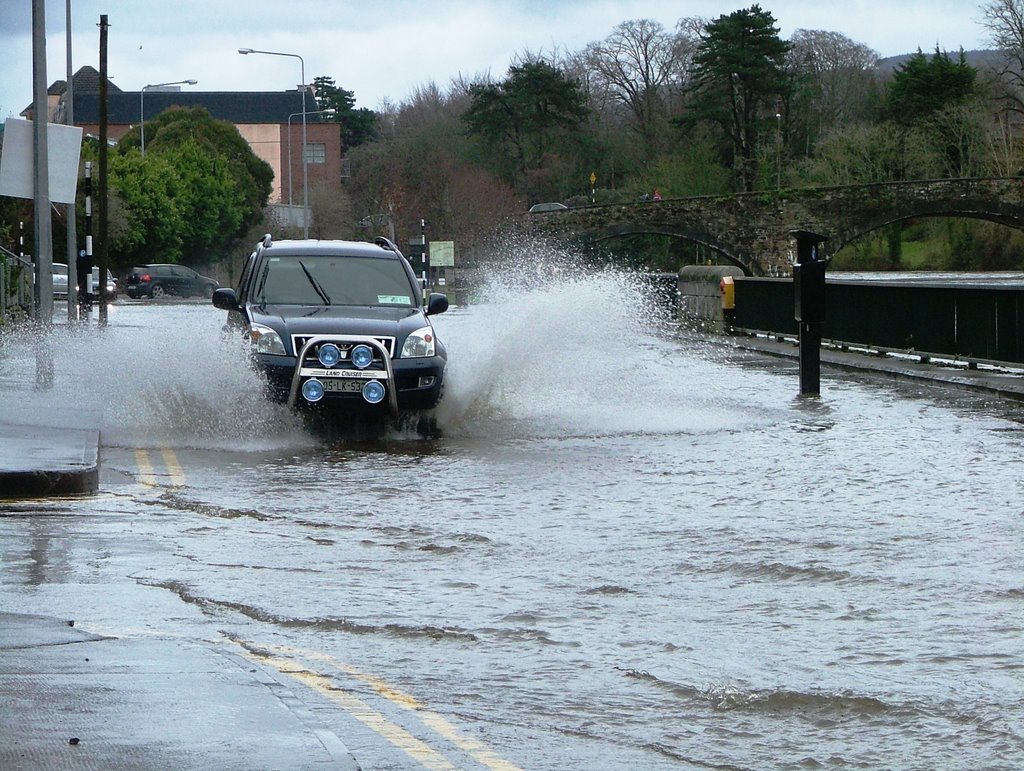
column 553, row 206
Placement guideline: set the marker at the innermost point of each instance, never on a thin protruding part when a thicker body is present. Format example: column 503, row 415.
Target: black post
column 102, row 210
column 809, row 306
column 85, row 255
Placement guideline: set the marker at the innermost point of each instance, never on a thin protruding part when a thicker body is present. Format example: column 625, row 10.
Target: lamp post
column 305, row 160
column 778, row 149
column 142, row 107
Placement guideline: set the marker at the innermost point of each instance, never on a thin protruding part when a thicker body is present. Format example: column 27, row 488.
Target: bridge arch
column 752, row 230
column 693, row 235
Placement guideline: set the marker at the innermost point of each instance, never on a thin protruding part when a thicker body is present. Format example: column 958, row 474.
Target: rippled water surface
column 629, row 549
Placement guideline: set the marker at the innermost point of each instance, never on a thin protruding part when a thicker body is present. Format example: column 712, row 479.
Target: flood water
column 629, row 549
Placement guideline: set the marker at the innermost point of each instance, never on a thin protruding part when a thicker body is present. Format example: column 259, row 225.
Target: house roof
column 238, row 107
column 86, row 81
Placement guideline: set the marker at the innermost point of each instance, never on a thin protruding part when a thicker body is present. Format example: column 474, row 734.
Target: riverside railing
column 966, row 321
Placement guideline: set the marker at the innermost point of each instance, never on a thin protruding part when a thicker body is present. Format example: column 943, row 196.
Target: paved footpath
column 74, row 700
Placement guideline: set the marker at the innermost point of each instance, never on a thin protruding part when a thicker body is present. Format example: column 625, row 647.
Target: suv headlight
column 265, row 339
column 419, row 343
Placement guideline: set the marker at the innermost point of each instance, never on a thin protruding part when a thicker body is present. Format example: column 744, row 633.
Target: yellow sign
column 593, row 178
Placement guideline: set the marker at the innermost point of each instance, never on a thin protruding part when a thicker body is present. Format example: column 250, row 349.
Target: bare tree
column 640, row 66
column 838, row 72
column 1004, row 20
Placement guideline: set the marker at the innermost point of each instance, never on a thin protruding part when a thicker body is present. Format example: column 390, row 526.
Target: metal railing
column 16, row 276
column 970, row 322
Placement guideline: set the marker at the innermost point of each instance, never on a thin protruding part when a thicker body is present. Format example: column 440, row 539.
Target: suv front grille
column 300, row 340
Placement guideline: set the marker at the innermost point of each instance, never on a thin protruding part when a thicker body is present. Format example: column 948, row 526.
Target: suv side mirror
column 437, row 303
column 225, row 299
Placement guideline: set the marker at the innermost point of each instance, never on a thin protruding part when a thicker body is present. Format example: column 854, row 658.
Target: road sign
column 442, row 254
column 593, row 178
column 64, row 145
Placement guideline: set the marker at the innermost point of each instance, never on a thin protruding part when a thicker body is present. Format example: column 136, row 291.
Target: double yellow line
column 416, row 748
column 174, row 476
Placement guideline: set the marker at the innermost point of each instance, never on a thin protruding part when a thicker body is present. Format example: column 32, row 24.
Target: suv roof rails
column 387, row 243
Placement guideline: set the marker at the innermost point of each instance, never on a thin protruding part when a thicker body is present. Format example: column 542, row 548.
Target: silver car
column 60, row 280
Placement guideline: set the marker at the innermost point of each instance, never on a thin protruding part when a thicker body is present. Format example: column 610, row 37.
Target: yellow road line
column 398, row 736
column 432, row 720
column 146, row 475
column 173, row 467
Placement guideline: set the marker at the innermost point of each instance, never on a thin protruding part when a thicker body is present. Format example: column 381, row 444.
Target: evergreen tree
column 739, row 84
column 358, row 125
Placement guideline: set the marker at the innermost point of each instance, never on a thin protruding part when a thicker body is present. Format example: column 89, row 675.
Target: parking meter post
column 809, row 306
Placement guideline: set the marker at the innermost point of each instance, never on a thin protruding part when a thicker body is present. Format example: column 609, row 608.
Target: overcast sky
column 384, row 49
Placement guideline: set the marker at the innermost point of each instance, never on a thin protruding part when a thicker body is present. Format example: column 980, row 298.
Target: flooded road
column 627, row 550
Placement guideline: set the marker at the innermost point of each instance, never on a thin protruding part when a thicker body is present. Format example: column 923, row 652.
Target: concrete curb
column 1005, row 385
column 44, row 461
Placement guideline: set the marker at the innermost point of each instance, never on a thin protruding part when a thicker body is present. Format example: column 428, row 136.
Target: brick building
column 270, row 121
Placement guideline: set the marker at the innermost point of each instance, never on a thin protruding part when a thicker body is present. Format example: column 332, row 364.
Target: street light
column 305, row 160
column 142, row 106
column 778, row 149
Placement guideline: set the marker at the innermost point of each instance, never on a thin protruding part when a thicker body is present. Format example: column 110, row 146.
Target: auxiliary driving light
column 329, row 354
column 313, row 390
column 362, row 356
column 373, row 391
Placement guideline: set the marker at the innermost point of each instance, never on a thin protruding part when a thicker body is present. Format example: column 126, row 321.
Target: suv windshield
column 333, row 280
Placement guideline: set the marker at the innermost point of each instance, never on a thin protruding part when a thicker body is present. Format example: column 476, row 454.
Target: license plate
column 343, row 385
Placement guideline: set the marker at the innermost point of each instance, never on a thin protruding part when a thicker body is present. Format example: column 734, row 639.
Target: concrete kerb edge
column 79, row 477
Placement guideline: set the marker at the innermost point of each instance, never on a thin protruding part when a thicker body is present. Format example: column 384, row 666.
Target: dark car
column 158, row 280
column 340, row 323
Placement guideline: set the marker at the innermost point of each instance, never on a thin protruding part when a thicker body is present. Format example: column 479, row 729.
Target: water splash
column 155, row 376
column 553, row 347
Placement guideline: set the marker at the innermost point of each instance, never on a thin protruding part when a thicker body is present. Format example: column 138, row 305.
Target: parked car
column 60, row 280
column 339, row 322
column 95, row 285
column 159, row 280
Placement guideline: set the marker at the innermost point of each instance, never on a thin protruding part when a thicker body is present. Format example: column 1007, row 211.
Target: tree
column 1004, row 19
column 638, row 65
column 524, row 114
column 357, row 125
column 926, row 92
column 833, row 78
column 739, row 83
column 925, row 85
column 198, row 189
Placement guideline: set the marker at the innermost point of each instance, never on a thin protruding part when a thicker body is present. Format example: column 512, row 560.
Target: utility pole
column 42, row 227
column 101, row 250
column 71, row 215
column 43, row 298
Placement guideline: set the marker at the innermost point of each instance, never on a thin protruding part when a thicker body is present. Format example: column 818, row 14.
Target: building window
column 316, row 152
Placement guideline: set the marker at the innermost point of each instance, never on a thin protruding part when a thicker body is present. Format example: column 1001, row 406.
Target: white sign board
column 63, row 148
column 442, row 254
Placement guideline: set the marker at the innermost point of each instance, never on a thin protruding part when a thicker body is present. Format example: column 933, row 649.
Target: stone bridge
column 752, row 230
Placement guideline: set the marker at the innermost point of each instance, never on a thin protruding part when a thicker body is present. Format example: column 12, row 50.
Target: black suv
column 339, row 322
column 158, row 280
